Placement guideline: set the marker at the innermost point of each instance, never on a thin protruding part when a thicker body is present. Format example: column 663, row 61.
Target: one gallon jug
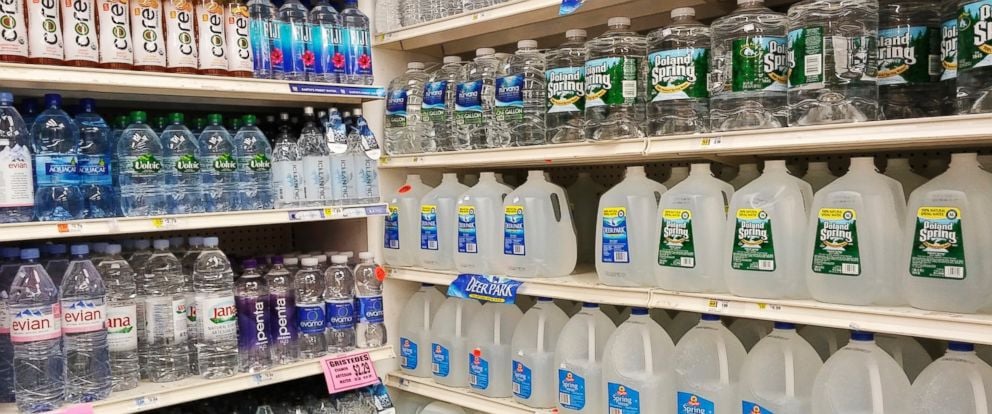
column 583, row 198
column 826, row 341
column 624, row 230
column 708, row 362
column 637, row 367
column 958, row 382
column 778, row 373
column 488, row 354
column 415, row 324
column 438, row 221
column 750, row 331
column 691, row 219
column 533, row 346
column 479, row 241
column 900, row 170
column 401, row 238
column 861, row 378
column 764, row 236
column 850, row 254
column 538, row 236
column 942, row 265
column 579, row 357
column 449, row 341
column 906, row 351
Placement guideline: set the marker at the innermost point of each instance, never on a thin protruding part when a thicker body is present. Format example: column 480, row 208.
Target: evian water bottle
column 251, row 295
column 36, row 332
column 83, row 316
column 16, row 184
column 216, row 336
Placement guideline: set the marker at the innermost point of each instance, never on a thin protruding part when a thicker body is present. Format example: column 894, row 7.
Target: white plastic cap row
column 683, row 11
column 527, row 44
column 618, row 21
column 415, row 65
column 452, row 59
column 575, row 33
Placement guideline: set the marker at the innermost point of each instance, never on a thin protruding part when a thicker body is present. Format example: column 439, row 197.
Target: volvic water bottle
column 181, row 164
column 17, row 185
column 282, row 313
column 625, row 253
column 36, row 332
column 292, row 62
column 489, row 336
column 533, row 352
column 438, row 217
column 778, row 374
column 287, row 167
column 339, row 303
column 139, row 153
column 565, row 81
column 520, row 98
column 403, row 119
column 958, row 382
column 313, row 150
column 366, row 161
column 637, row 367
column 370, row 328
column 84, row 314
column 438, row 108
column 358, row 56
column 55, row 144
column 415, row 325
column 309, row 285
column 122, row 318
column 254, row 156
column 860, row 377
column 325, row 33
column 707, row 365
column 162, row 308
column 251, row 294
column 449, row 341
column 221, row 174
column 216, row 314
column 261, row 21
column 614, row 76
column 678, row 64
column 474, row 100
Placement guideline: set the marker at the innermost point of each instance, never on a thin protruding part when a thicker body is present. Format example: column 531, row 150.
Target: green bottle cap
column 138, row 117
column 249, row 120
column 215, row 119
column 176, row 118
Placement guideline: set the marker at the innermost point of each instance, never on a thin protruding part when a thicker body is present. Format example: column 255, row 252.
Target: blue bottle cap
column 638, row 311
column 57, row 248
column 53, row 99
column 6, row 98
column 960, row 346
column 80, row 249
column 709, row 317
column 862, row 336
column 785, row 325
column 28, row 254
column 87, row 104
column 590, row 305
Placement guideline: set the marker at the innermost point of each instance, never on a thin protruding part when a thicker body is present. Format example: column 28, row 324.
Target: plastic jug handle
column 556, row 206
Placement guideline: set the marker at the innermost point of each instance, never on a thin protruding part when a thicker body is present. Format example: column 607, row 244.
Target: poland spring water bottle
column 404, row 122
column 251, row 294
column 216, row 336
column 17, row 184
column 93, row 163
column 678, row 63
column 313, row 150
column 614, row 74
column 566, row 94
column 282, row 313
column 36, row 333
column 310, row 316
column 220, row 168
column 139, row 154
column 520, row 97
column 122, row 318
column 254, row 157
column 261, row 16
column 181, row 164
column 370, row 329
column 474, row 100
column 909, row 59
column 287, row 167
column 54, row 140
column 290, row 62
column 339, row 304
column 973, row 51
column 84, row 315
column 163, row 346
column 325, row 33
column 358, row 55
column 438, row 108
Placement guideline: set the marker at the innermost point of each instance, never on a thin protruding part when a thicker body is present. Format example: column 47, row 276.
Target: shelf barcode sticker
column 70, row 227
column 304, row 215
column 347, row 372
column 165, row 222
column 717, row 306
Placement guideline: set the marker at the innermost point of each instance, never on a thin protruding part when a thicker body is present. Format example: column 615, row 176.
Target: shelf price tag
column 769, row 306
column 306, row 215
column 165, row 222
column 347, row 372
column 710, row 142
column 70, row 227
column 718, row 306
column 146, row 401
column 264, row 376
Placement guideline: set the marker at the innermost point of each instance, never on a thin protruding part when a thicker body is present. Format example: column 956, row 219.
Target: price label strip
column 347, row 372
column 70, row 227
column 165, row 222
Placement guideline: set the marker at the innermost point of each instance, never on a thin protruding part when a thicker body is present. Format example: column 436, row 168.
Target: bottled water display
column 370, row 328
column 181, row 167
column 139, row 154
column 163, row 309
column 287, row 167
column 325, row 33
column 566, row 94
column 251, row 296
column 678, row 64
column 339, row 303
column 404, row 111
column 216, row 314
column 314, row 152
column 36, row 332
column 909, row 59
column 520, row 98
column 310, row 316
column 474, row 101
column 282, row 313
column 624, row 256
column 16, row 164
column 222, row 174
column 614, row 82
column 122, row 317
column 358, row 51
column 254, row 157
column 93, row 163
column 438, row 109
column 54, row 143
column 84, row 314
column 291, row 62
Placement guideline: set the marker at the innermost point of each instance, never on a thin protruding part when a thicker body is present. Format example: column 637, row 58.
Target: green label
column 835, row 245
column 753, row 246
column 566, row 89
column 225, row 163
column 678, row 74
column 676, row 247
column 938, row 244
column 188, row 164
column 908, row 54
column 759, row 63
column 975, row 35
column 806, row 56
column 612, row 81
column 259, row 163
column 146, row 164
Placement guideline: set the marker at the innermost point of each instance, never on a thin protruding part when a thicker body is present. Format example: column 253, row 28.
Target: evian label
column 115, row 32
column 38, row 323
column 238, row 47
column 16, row 178
column 180, row 38
column 146, row 27
column 13, row 28
column 44, row 29
column 218, row 317
column 79, row 21
column 122, row 332
column 83, row 315
column 213, row 45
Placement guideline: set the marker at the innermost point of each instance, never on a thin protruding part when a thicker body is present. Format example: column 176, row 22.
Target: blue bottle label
column 467, row 235
column 340, row 315
column 370, row 310
column 392, row 232
column 468, row 103
column 310, row 319
column 94, row 169
column 260, row 36
column 428, row 227
column 486, row 288
column 408, row 353
column 441, row 360
column 509, row 98
column 513, row 231
column 748, row 407
column 321, row 49
column 283, row 317
column 396, row 108
column 253, row 322
column 615, row 245
column 622, row 399
column 56, row 169
column 294, row 56
column 689, row 403
column 522, row 380
column 359, row 52
column 435, row 95
column 478, row 372
column 571, row 390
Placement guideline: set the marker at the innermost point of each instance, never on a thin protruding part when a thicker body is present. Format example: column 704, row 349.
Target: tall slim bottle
column 180, row 36
column 79, row 25
column 114, row 30
column 212, row 39
column 14, row 43
column 294, row 61
column 149, row 44
column 239, row 59
column 261, row 18
column 44, row 32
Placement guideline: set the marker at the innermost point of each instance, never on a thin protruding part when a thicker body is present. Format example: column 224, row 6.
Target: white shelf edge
column 128, row 225
column 459, row 396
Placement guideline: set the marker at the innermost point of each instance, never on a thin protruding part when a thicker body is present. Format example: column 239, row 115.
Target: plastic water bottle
column 358, row 52
column 401, row 235
column 565, row 118
column 818, row 175
column 140, row 154
column 625, row 239
column 637, row 367
column 344, row 150
column 449, row 341
column 36, row 334
column 387, row 16
column 313, row 150
column 861, row 377
column 310, row 317
column 750, row 331
column 17, row 186
column 339, row 303
column 900, row 170
column 122, row 318
column 216, row 313
column 409, row 12
column 438, row 110
column 778, row 374
column 614, row 76
column 221, row 175
column 678, row 64
column 262, row 19
column 370, row 328
column 162, row 308
column 84, row 314
column 282, row 313
column 56, row 261
column 415, row 325
column 251, row 294
column 578, row 358
column 291, row 62
column 533, row 352
column 479, row 241
column 94, row 164
column 366, row 161
column 8, row 269
column 142, row 251
column 55, row 144
column 489, row 347
column 958, row 382
column 909, row 59
column 972, row 51
column 325, row 33
column 707, row 364
column 538, row 235
column 474, row 101
column 748, row 69
column 182, row 168
column 287, row 168
column 438, row 214
column 520, row 98
column 254, row 157
column 403, row 120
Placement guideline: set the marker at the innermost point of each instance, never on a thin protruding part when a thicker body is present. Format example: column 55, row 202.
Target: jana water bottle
column 162, row 308
column 358, row 52
column 533, row 352
column 310, row 316
column 339, row 304
column 55, row 144
column 254, row 157
column 403, row 120
column 861, row 378
column 325, row 33
column 678, row 64
column 625, row 246
column 140, row 154
column 479, row 241
column 122, row 318
column 221, row 173
column 578, row 359
column 958, row 382
column 251, row 294
column 637, row 367
column 909, row 58
column 438, row 221
column 366, row 161
column 181, row 164
column 261, row 21
column 370, row 328
column 291, row 62
column 287, row 167
column 415, row 324
column 565, row 82
column 84, row 314
column 313, row 150
column 343, row 149
column 707, row 365
column 489, row 336
column 438, row 110
column 282, row 313
column 474, row 100
column 520, row 98
column 449, row 341
column 36, row 334
column 401, row 231
column 17, row 185
column 614, row 73
column 778, row 373
column 216, row 313
column 93, row 163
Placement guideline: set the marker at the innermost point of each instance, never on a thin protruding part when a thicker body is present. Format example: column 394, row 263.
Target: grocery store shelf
column 150, row 396
column 160, row 87
column 459, row 396
column 129, row 225
column 937, row 132
column 892, row 320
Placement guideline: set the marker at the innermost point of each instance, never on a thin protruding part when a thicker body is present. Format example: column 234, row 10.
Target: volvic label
column 806, row 56
column 678, row 74
column 213, row 44
column 180, row 40
column 753, row 248
column 122, row 332
column 79, row 21
column 904, row 55
column 146, row 26
column 359, row 55
column 622, row 399
column 36, row 323
column 522, row 380
column 83, row 315
column 222, row 163
column 440, row 360
column 566, row 89
column 467, row 232
column 514, row 240
column 238, row 45
column 571, row 390
column 509, row 105
column 676, row 247
column 949, row 49
column 115, row 31
column 44, row 29
column 468, row 103
column 396, row 109
column 144, row 165
column 836, row 250
column 16, row 169
column 184, row 165
column 218, row 317
column 55, row 169
column 759, row 63
column 748, row 407
column 616, row 246
column 408, row 353
column 434, row 108
column 689, row 403
column 392, row 230
column 428, row 227
column 13, row 28
column 938, row 244
column 612, row 81
column 478, row 372
column 975, row 35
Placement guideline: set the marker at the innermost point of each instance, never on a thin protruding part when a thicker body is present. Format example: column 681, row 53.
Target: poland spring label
column 566, row 90
column 835, row 246
column 806, row 56
column 753, row 247
column 949, row 49
column 904, row 55
column 676, row 249
column 678, row 74
column 975, row 35
column 612, row 81
column 759, row 63
column 938, row 244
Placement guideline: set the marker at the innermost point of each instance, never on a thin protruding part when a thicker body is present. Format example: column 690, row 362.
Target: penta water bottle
column 909, row 59
column 479, row 241
column 438, row 110
column 625, row 230
column 637, row 367
column 181, row 164
column 221, row 174
column 216, row 336
column 449, row 348
column 566, row 95
column 282, row 313
column 520, row 94
column 533, row 352
column 251, row 296
column 538, row 234
column 401, row 234
column 748, row 69
column 404, row 121
column 489, row 337
column 84, row 314
column 140, row 155
column 861, row 377
column 415, row 325
column 16, row 164
column 438, row 223
column 578, row 359
column 474, row 100
column 678, row 64
column 36, row 333
column 957, row 382
column 707, row 364
column 778, row 374
column 614, row 82
column 55, row 145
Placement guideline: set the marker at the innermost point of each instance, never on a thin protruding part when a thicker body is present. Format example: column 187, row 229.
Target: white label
column 213, row 47
column 13, row 31
column 218, row 318
column 83, row 315
column 146, row 27
column 36, row 324
column 165, row 320
column 238, row 46
column 79, row 21
column 180, row 41
column 115, row 31
column 315, row 176
column 122, row 328
column 44, row 29
column 16, row 180
column 286, row 180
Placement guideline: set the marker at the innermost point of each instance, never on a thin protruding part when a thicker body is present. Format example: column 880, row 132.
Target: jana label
column 938, row 244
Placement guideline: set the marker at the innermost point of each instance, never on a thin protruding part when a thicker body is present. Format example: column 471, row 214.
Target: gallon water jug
column 958, row 382
column 438, row 407
column 415, row 324
column 707, row 367
column 750, row 331
column 624, row 230
column 449, row 341
column 538, row 236
column 818, row 175
column 945, row 267
column 682, row 323
column 764, row 236
column 579, row 357
column 826, row 341
column 850, row 254
column 583, row 197
column 401, row 238
column 861, row 378
column 690, row 223
column 489, row 336
column 900, row 170
column 479, row 241
column 438, row 224
column 637, row 367
column 906, row 351
column 778, row 373
column 533, row 346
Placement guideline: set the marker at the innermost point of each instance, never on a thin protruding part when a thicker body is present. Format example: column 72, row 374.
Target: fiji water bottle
column 163, row 348
column 84, row 314
column 122, row 318
column 309, row 284
column 36, row 332
column 294, row 61
column 282, row 313
column 339, row 304
column 261, row 19
column 370, row 331
column 325, row 33
column 17, row 185
column 93, row 163
column 358, row 55
column 216, row 335
column 55, row 141
column 139, row 153
column 220, row 168
column 252, row 297
column 254, row 159
column 181, row 163
column 287, row 168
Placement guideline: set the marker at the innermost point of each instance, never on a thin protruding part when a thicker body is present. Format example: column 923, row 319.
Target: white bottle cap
column 308, row 110
column 357, row 112
column 739, row 2
column 161, row 244
column 618, row 21
column 415, row 65
column 348, row 254
column 683, row 11
column 575, row 33
column 451, row 59
column 527, row 44
column 211, row 241
column 339, row 259
column 330, row 253
column 310, row 261
column 321, row 258
column 365, row 255
column 485, row 51
column 291, row 261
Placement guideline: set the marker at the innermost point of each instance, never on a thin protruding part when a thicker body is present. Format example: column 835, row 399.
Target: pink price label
column 78, row 409
column 347, row 372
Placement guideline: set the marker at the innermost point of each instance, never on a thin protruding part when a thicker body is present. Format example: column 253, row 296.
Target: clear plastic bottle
column 438, row 110
column 254, row 157
column 403, row 120
column 566, row 94
column 583, row 197
column 310, row 316
column 638, row 367
column 261, row 22
column 8, row 269
column 861, row 378
column 974, row 71
column 449, row 341
column 401, row 234
column 212, row 39
column 122, row 318
column 344, row 153
column 325, row 33
column 216, row 313
column 909, row 59
column 55, row 145
column 533, row 352
column 251, row 294
column 140, row 154
column 578, row 357
column 370, row 328
column 316, row 172
column 678, row 64
column 538, row 232
column 142, row 251
column 366, row 161
column 748, row 69
column 16, row 164
column 439, row 219
column 415, row 324
column 615, row 74
column 479, row 241
column 220, row 172
column 162, row 308
column 521, row 98
column 181, row 164
column 287, row 167
column 625, row 247
column 474, row 101
column 778, row 374
column 36, row 334
column 409, row 12
column 93, row 163
column 293, row 40
column 958, row 382
column 282, row 313
column 387, row 16
column 339, row 302
column 358, row 55
column 489, row 336
column 84, row 314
